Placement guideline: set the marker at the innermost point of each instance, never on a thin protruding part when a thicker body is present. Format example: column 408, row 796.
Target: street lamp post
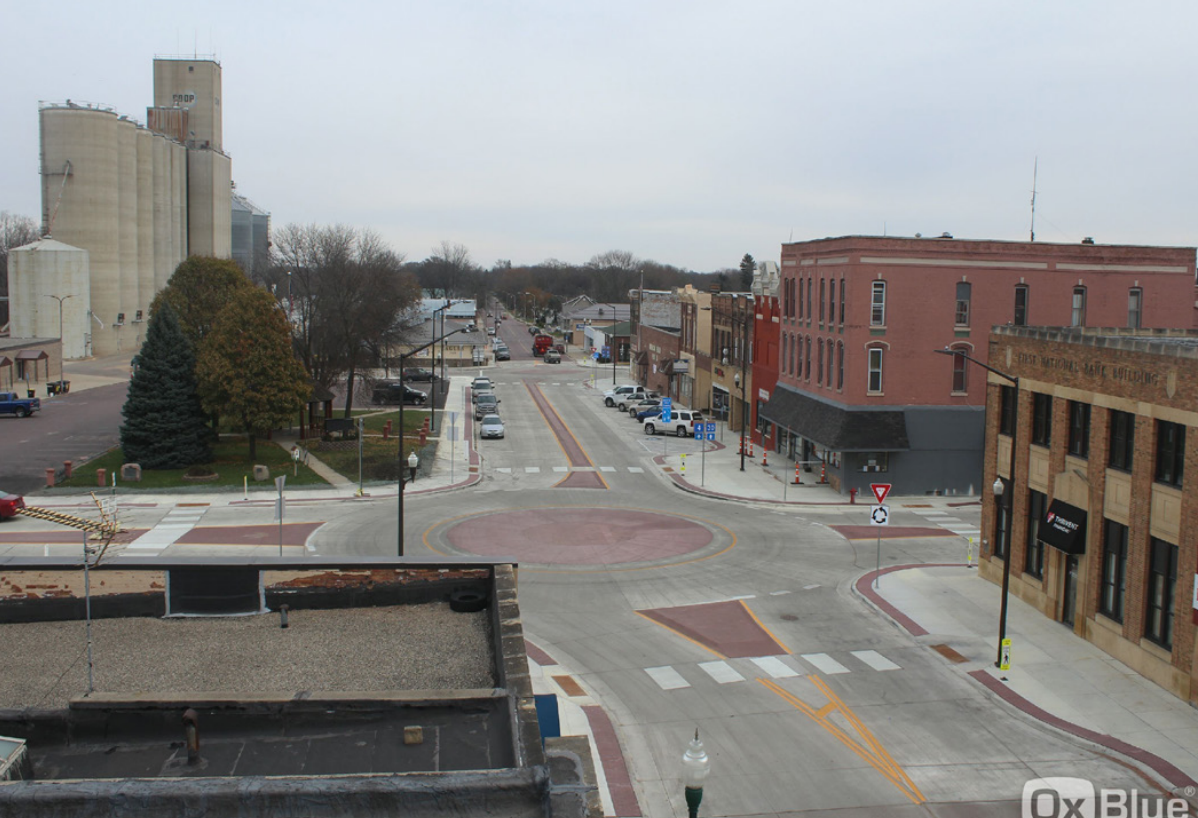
column 1001, row 492
column 413, row 461
column 59, row 299
column 696, row 766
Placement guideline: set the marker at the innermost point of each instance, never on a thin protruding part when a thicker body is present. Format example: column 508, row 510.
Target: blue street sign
column 711, row 435
column 666, row 408
column 710, row 429
column 595, row 355
column 698, row 433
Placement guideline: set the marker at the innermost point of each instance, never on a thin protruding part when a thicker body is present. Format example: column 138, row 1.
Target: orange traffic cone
column 765, row 453
column 750, row 448
column 823, row 472
column 740, row 449
column 798, row 481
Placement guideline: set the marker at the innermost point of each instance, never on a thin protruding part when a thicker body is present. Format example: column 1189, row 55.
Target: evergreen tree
column 165, row 426
column 747, row 268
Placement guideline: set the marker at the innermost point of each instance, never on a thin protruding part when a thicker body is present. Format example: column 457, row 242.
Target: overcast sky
column 688, row 133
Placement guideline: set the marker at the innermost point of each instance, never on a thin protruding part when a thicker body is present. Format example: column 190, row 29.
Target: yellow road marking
column 768, row 632
column 871, row 752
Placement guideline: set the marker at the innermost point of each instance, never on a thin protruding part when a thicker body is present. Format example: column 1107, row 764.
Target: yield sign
column 880, row 491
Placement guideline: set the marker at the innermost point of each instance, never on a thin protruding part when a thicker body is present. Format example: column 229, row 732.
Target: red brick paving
column 888, row 532
column 725, row 627
column 619, row 784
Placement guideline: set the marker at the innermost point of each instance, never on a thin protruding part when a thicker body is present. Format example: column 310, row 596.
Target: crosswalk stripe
column 722, row 672
column 875, row 660
column 774, row 667
column 824, row 662
column 505, row 470
column 561, row 468
column 635, row 470
column 667, row 678
column 607, row 468
column 532, row 469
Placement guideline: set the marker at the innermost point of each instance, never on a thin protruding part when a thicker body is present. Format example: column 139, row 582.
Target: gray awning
column 836, row 428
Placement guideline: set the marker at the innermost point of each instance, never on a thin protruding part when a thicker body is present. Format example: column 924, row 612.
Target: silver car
column 492, row 426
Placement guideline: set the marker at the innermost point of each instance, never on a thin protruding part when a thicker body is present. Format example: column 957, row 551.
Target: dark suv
column 394, row 393
column 417, row 374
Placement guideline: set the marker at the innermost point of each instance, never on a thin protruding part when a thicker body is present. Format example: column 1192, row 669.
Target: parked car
column 417, row 374
column 623, row 402
column 481, row 383
column 486, row 405
column 391, row 392
column 681, row 423
column 490, row 330
column 476, row 394
column 552, row 357
column 644, row 405
column 10, row 404
column 9, row 503
column 503, row 354
column 625, row 392
column 491, row 426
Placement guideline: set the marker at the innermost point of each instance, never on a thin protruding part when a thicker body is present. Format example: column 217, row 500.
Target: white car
column 621, row 394
column 681, row 423
column 491, row 426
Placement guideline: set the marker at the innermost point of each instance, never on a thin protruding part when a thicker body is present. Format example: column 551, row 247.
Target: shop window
column 1162, row 578
column 1114, row 570
column 1170, row 452
column 1079, row 429
column 1123, row 440
column 1034, row 562
column 874, row 382
column 1041, row 419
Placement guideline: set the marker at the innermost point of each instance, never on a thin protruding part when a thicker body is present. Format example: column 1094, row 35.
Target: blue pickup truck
column 10, row 404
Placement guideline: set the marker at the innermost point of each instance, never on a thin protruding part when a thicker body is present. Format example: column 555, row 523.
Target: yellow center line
column 872, row 752
column 768, row 632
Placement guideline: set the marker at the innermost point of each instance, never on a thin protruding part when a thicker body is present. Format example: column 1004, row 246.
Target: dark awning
column 834, row 427
column 1064, row 528
column 32, row 355
column 5, row 361
column 641, row 357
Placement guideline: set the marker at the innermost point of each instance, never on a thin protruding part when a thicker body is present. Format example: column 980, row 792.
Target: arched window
column 831, row 310
column 960, row 367
column 819, row 371
column 840, row 365
column 874, row 378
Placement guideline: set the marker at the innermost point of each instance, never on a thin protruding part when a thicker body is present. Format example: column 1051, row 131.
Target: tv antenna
column 1035, row 170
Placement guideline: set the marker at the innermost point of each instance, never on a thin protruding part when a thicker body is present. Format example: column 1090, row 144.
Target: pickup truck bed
column 10, row 404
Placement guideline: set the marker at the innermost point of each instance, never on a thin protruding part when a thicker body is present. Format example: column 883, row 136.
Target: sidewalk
column 1056, row 677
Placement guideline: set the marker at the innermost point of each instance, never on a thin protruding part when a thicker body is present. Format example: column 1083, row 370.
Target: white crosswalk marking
column 607, row 468
column 667, row 678
column 875, row 660
column 532, row 469
column 176, row 523
column 561, row 468
column 722, row 672
column 825, row 663
column 635, row 470
column 775, row 667
column 505, row 470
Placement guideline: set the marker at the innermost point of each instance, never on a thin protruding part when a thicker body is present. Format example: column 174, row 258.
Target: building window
column 875, row 461
column 962, row 314
column 819, row 371
column 810, row 282
column 877, row 305
column 1006, row 410
column 1162, row 577
column 1020, row 305
column 1079, row 429
column 799, row 287
column 842, row 292
column 1041, row 419
column 1034, row 564
column 960, row 367
column 1123, row 440
column 831, row 308
column 874, row 384
column 1079, row 307
column 1001, row 521
column 807, row 358
column 1170, row 452
column 821, row 300
column 839, row 365
column 1114, row 570
column 1135, row 307
column 829, row 363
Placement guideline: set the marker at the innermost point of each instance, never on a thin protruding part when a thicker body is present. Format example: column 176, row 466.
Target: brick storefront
column 1118, row 423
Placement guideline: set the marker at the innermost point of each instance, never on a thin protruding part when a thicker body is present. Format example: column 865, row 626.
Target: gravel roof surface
column 408, row 647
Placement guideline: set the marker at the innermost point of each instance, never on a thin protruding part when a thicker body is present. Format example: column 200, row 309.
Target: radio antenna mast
column 1035, row 170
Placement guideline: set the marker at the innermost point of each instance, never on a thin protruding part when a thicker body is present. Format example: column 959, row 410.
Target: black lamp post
column 1000, row 493
column 696, row 766
column 413, row 461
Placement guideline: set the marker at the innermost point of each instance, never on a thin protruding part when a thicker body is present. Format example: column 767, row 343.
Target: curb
column 1174, row 776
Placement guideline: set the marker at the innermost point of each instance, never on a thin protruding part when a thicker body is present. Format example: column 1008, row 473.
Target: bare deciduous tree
column 15, row 231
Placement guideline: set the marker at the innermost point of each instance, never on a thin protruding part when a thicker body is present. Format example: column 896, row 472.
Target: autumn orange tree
column 246, row 370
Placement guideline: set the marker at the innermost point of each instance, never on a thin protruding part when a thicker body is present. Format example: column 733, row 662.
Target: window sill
column 1157, row 649
column 1106, row 621
column 875, row 394
column 955, row 394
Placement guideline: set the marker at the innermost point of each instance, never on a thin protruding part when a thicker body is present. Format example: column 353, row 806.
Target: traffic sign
column 666, row 408
column 698, row 431
column 879, row 515
column 1004, row 663
column 880, row 491
column 710, row 427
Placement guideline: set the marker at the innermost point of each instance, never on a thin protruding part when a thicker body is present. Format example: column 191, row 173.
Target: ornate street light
column 413, row 464
column 696, row 766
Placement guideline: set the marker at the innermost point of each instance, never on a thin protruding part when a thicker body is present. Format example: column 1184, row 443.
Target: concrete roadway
column 675, row 611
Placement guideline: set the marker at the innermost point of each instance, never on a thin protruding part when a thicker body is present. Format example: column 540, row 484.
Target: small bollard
column 101, row 475
column 49, row 478
column 423, row 436
column 191, row 731
column 283, row 609
column 67, row 466
column 386, row 430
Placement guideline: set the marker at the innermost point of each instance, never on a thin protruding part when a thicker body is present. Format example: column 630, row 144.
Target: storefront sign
column 1064, row 528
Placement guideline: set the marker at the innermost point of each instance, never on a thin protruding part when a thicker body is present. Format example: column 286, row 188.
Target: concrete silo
column 145, row 222
column 81, row 204
column 180, row 202
column 210, row 203
column 43, row 278
column 127, row 331
column 162, row 179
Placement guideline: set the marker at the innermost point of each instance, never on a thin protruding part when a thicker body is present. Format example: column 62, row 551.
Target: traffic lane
column 75, row 427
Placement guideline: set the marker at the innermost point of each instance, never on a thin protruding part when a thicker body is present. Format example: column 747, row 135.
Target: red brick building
column 1099, row 515
column 860, row 389
column 767, row 316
